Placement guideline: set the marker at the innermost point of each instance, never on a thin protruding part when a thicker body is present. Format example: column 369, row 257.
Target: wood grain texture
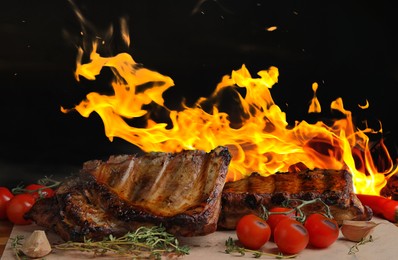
column 5, row 231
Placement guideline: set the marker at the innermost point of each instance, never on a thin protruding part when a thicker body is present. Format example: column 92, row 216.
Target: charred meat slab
column 181, row 191
column 334, row 187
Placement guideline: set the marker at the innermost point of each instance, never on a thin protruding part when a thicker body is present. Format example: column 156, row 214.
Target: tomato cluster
column 289, row 234
column 13, row 206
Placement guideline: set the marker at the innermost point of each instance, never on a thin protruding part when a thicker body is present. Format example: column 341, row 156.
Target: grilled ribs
column 333, row 187
column 181, row 191
column 185, row 192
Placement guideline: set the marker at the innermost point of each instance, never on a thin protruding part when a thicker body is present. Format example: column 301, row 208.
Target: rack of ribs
column 333, row 187
column 181, row 191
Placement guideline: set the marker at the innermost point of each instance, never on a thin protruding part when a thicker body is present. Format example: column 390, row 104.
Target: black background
column 348, row 47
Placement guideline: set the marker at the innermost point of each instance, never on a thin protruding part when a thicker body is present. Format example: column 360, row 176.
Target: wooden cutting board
column 384, row 246
column 5, row 231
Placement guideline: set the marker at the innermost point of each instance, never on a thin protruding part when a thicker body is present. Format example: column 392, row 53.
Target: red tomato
column 5, row 197
column 291, row 236
column 18, row 206
column 323, row 231
column 274, row 219
column 39, row 191
column 252, row 231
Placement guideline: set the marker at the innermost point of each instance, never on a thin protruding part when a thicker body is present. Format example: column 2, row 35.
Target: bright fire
column 263, row 142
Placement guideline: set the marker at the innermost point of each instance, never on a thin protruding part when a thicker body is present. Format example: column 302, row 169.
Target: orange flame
column 263, row 142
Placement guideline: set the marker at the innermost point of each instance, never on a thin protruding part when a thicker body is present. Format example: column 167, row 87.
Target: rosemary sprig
column 355, row 248
column 232, row 247
column 145, row 242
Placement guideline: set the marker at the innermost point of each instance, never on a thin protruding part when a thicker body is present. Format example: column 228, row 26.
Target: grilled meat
column 181, row 191
column 185, row 192
column 334, row 187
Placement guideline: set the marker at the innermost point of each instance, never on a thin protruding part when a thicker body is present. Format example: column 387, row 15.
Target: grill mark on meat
column 145, row 176
column 162, row 175
column 124, row 185
column 170, row 194
column 185, row 195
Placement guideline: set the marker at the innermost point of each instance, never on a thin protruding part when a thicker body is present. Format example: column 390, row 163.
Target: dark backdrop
column 348, row 47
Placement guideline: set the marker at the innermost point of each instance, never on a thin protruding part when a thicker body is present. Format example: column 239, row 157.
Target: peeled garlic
column 36, row 245
column 357, row 230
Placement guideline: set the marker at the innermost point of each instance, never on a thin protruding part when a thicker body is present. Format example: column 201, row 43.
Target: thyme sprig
column 16, row 244
column 232, row 247
column 355, row 248
column 145, row 242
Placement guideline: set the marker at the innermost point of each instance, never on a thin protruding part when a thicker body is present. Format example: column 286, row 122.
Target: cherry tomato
column 274, row 219
column 18, row 206
column 5, row 197
column 290, row 236
column 39, row 191
column 323, row 231
column 252, row 231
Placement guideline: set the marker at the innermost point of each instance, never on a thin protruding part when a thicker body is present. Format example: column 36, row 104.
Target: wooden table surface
column 212, row 246
column 5, row 231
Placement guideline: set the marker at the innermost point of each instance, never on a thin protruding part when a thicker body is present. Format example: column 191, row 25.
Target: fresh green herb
column 232, row 247
column 145, row 242
column 355, row 248
column 16, row 244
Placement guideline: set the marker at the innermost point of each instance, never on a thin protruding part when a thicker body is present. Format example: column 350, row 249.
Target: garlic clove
column 36, row 245
column 357, row 230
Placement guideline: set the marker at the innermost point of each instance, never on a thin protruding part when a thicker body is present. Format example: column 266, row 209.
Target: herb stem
column 46, row 182
column 231, row 248
column 300, row 216
column 145, row 241
column 355, row 248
